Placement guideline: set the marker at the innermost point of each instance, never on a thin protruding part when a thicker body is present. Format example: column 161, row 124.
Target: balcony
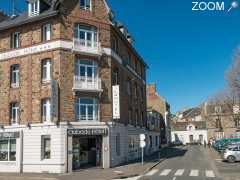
column 87, row 47
column 87, row 84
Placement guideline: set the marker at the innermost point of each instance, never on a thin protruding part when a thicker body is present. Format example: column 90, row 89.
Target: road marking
column 165, row 172
column 179, row 172
column 194, row 173
column 152, row 172
column 174, row 178
column 210, row 173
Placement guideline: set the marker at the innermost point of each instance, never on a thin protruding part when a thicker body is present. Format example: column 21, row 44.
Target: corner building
column 58, row 63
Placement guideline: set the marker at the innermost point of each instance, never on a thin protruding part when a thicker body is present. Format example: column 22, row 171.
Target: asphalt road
column 185, row 163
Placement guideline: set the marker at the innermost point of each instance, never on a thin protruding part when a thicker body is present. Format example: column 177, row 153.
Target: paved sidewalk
column 128, row 170
column 121, row 172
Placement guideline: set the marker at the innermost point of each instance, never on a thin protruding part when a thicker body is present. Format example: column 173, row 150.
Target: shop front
column 87, row 147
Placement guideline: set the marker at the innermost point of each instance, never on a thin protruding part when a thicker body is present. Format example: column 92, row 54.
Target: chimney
column 130, row 38
column 151, row 88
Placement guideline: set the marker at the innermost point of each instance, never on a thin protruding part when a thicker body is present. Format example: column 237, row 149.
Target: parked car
column 177, row 143
column 232, row 154
column 221, row 145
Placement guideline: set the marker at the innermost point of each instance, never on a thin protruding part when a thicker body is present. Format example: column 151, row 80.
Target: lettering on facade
column 54, row 100
column 82, row 132
column 9, row 135
column 116, row 102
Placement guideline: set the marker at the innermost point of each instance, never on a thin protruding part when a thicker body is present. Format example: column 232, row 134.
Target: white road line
column 179, row 172
column 152, row 172
column 210, row 173
column 165, row 172
column 194, row 173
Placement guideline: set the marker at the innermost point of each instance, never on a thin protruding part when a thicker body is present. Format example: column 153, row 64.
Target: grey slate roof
column 24, row 18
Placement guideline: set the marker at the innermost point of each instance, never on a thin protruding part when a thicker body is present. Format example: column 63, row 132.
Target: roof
column 24, row 18
column 181, row 126
column 191, row 113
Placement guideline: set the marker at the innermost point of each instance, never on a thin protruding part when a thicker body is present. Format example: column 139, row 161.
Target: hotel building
column 72, row 89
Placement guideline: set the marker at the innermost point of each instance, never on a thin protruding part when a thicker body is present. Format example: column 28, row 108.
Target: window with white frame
column 8, row 150
column 86, row 109
column 46, row 32
column 15, row 113
column 46, row 147
column 46, row 110
column 15, row 78
column 86, row 4
column 34, row 8
column 46, row 70
column 85, row 36
column 16, row 40
column 86, row 70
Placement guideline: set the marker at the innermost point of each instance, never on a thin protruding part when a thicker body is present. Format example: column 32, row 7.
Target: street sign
column 142, row 144
column 142, row 137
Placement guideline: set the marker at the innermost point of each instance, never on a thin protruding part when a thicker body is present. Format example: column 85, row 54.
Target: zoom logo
column 214, row 6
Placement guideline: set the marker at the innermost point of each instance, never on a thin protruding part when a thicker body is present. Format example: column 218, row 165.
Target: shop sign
column 9, row 135
column 103, row 131
column 116, row 102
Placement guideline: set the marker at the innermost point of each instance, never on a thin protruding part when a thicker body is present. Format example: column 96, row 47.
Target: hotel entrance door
column 86, row 151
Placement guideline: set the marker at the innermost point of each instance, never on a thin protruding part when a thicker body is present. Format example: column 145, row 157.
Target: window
column 150, row 141
column 86, row 4
column 115, row 77
column 46, row 147
column 46, row 70
column 8, row 150
column 15, row 76
column 85, row 36
column 136, row 117
column 118, row 150
column 114, row 44
column 86, row 70
column 46, row 110
column 156, row 141
column 129, row 87
column 237, row 122
column 34, row 8
column 135, row 91
column 86, row 109
column 218, row 123
column 130, row 116
column 16, row 40
column 15, row 113
column 129, row 59
column 46, row 32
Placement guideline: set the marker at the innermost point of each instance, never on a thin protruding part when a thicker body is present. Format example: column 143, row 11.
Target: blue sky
column 187, row 51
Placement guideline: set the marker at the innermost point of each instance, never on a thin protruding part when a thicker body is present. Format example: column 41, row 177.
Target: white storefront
column 191, row 134
column 52, row 148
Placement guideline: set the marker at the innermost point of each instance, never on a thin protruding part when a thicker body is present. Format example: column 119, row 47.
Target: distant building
column 160, row 107
column 223, row 120
column 189, row 126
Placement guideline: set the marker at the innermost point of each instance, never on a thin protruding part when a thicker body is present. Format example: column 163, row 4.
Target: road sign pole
column 142, row 155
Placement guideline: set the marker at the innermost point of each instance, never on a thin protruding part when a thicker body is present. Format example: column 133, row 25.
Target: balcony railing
column 87, row 83
column 84, row 118
column 86, row 47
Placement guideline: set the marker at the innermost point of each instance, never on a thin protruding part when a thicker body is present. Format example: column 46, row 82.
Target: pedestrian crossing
column 181, row 172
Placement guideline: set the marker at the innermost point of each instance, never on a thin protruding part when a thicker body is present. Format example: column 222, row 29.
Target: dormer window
column 86, row 4
column 33, row 7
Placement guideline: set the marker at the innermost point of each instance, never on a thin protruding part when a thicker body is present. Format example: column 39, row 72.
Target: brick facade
column 32, row 91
